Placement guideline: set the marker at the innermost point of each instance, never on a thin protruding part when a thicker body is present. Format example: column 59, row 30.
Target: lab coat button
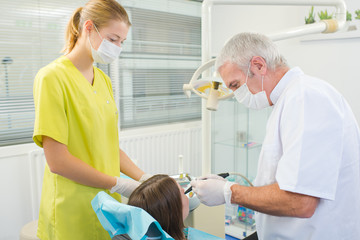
column 107, row 102
column 95, row 92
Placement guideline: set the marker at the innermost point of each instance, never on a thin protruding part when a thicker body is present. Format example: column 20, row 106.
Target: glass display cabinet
column 237, row 135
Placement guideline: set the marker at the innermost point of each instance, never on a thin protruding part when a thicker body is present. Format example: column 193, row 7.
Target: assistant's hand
column 145, row 177
column 212, row 190
column 124, row 186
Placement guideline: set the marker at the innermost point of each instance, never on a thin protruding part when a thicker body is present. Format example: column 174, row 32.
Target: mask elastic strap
column 89, row 36
column 90, row 42
column 262, row 82
column 98, row 31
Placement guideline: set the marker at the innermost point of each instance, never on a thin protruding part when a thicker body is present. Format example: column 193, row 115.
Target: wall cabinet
column 237, row 136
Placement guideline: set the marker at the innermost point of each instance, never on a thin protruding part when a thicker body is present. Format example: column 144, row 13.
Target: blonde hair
column 98, row 11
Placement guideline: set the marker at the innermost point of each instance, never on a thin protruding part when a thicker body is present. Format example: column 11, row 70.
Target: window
column 32, row 35
column 161, row 53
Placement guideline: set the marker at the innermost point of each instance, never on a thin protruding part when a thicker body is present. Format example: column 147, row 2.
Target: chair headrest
column 118, row 218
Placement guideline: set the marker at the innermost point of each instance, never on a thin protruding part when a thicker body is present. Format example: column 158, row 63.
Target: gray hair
column 242, row 47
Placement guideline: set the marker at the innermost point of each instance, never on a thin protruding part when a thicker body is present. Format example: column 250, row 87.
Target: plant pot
column 357, row 24
column 347, row 27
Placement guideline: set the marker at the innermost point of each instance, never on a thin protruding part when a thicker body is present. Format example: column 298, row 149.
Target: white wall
column 15, row 198
column 334, row 60
column 156, row 149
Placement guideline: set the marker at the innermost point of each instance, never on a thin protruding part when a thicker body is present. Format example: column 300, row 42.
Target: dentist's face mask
column 107, row 51
column 249, row 100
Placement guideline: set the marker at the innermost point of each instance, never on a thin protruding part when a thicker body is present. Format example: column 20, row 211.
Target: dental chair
column 125, row 222
column 36, row 173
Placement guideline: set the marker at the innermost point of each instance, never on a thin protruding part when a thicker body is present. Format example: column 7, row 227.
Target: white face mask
column 254, row 101
column 107, row 51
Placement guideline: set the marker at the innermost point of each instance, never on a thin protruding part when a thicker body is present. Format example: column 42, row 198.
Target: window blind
column 31, row 36
column 161, row 53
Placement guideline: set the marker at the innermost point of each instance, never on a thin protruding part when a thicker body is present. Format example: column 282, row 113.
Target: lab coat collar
column 283, row 83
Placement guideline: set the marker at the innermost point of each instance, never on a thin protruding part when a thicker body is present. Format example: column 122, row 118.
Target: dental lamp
column 210, row 88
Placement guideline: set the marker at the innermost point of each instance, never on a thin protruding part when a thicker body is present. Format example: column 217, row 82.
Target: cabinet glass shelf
column 237, row 136
column 249, row 145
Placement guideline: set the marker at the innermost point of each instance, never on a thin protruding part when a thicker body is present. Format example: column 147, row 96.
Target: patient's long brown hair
column 160, row 197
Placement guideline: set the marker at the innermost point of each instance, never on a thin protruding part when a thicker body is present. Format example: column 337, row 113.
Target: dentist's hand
column 124, row 186
column 212, row 190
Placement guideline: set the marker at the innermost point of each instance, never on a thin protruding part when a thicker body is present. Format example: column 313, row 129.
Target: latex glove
column 124, row 186
column 145, row 177
column 212, row 190
column 228, row 192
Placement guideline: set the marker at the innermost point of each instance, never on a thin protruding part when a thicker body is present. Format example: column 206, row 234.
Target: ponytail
column 100, row 12
column 73, row 31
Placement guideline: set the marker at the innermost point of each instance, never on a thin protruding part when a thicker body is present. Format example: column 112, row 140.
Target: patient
column 164, row 199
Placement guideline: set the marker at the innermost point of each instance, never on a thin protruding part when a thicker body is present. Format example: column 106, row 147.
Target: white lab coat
column 311, row 147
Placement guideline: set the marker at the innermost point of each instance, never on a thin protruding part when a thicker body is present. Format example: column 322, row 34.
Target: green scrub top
column 83, row 117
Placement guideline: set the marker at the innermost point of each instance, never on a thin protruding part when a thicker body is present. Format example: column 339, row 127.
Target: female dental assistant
column 76, row 124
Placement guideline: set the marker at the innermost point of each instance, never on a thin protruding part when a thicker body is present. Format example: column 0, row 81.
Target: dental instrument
column 223, row 175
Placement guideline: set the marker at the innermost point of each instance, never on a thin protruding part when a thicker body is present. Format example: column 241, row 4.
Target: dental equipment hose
column 245, row 178
column 225, row 175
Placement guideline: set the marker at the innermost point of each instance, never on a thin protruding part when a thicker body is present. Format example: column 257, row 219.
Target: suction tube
column 324, row 26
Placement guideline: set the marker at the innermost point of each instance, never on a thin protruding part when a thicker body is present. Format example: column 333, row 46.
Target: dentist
column 308, row 179
column 76, row 122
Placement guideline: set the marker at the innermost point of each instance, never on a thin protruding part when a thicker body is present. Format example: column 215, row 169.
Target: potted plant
column 348, row 16
column 323, row 15
column 311, row 17
column 347, row 26
column 357, row 13
column 357, row 19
